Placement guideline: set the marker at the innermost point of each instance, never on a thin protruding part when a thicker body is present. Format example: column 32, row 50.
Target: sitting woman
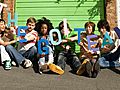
column 90, row 65
column 110, row 52
column 43, row 26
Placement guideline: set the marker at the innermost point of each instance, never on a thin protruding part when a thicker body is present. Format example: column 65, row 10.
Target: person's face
column 64, row 31
column 103, row 31
column 31, row 26
column 44, row 29
column 89, row 29
column 2, row 26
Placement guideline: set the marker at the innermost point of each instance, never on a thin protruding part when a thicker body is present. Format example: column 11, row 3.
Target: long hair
column 103, row 23
column 42, row 21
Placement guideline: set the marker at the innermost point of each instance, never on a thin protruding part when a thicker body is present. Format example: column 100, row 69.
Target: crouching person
column 90, row 66
column 67, row 53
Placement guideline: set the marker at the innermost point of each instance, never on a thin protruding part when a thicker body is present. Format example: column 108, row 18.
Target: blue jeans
column 69, row 58
column 18, row 57
column 105, row 63
column 29, row 54
column 111, row 59
column 14, row 54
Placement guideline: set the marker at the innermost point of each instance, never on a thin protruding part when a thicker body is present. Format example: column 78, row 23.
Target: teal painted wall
column 77, row 12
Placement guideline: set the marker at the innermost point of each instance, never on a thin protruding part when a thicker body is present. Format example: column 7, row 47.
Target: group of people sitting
column 87, row 62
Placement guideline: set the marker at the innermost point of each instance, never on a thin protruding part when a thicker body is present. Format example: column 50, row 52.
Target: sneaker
column 89, row 69
column 56, row 69
column 7, row 64
column 13, row 63
column 94, row 74
column 27, row 63
column 44, row 67
column 81, row 69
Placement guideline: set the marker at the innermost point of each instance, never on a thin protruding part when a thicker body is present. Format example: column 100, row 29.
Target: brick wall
column 111, row 15
column 11, row 5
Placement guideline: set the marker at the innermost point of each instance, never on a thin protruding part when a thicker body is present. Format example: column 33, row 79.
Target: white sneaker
column 27, row 63
column 13, row 63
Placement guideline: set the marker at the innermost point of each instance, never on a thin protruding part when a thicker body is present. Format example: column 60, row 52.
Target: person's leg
column 14, row 54
column 29, row 54
column 4, row 55
column 5, row 58
column 73, row 61
column 104, row 63
column 113, row 56
column 62, row 60
column 95, row 68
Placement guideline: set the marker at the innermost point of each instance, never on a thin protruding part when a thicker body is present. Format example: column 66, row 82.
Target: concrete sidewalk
column 27, row 79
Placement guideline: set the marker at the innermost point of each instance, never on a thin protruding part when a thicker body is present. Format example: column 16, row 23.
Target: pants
column 69, row 58
column 18, row 57
column 14, row 54
column 113, row 56
column 30, row 53
column 104, row 63
column 111, row 59
column 4, row 55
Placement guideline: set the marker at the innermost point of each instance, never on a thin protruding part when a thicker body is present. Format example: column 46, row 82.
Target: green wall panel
column 77, row 12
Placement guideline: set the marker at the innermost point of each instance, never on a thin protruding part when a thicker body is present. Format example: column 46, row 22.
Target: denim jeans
column 111, row 59
column 69, row 58
column 29, row 54
column 104, row 63
column 14, row 54
column 113, row 56
column 18, row 57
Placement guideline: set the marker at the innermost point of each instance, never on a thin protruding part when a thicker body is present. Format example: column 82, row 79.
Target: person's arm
column 73, row 38
column 31, row 37
column 107, row 48
column 7, row 43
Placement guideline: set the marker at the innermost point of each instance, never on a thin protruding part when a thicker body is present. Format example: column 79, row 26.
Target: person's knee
column 9, row 48
column 34, row 49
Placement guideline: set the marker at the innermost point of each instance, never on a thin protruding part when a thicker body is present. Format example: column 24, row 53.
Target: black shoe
column 94, row 74
column 96, row 69
column 97, row 66
column 89, row 69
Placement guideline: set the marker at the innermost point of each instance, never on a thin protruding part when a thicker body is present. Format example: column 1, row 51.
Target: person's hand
column 17, row 39
column 81, row 43
column 68, row 47
column 70, row 39
column 106, row 47
column 90, row 52
column 42, row 55
column 64, row 41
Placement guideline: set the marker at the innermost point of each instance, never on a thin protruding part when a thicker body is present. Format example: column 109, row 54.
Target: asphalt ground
column 27, row 79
